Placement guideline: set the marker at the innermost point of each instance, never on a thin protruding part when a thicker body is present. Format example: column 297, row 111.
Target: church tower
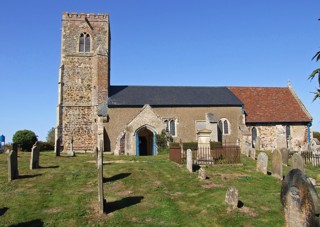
column 84, row 79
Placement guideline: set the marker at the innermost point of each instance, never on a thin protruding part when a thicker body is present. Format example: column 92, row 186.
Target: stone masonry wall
column 84, row 79
column 186, row 118
column 269, row 135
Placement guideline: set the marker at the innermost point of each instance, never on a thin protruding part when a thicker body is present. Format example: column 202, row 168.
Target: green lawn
column 145, row 191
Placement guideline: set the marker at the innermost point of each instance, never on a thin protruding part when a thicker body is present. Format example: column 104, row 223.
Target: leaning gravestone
column 202, row 174
column 262, row 163
column 300, row 200
column 100, row 182
column 13, row 172
column 277, row 164
column 297, row 162
column 285, row 155
column 232, row 197
column 35, row 155
column 189, row 160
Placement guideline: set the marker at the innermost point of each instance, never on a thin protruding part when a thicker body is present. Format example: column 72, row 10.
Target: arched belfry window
column 84, row 42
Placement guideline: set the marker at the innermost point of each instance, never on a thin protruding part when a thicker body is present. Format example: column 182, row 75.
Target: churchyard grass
column 146, row 191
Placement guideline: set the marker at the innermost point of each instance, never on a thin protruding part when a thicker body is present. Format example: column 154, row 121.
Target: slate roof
column 271, row 104
column 171, row 96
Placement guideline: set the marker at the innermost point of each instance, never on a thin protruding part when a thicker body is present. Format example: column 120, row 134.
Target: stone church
column 126, row 119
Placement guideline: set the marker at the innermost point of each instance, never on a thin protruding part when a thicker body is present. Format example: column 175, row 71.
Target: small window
column 84, row 42
column 172, row 128
column 223, row 127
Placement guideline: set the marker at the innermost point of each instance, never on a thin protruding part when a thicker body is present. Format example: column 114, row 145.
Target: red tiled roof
column 270, row 104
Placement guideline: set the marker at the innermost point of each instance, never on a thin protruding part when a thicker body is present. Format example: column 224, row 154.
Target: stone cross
column 189, row 160
column 101, row 199
column 232, row 197
column 285, row 155
column 300, row 200
column 277, row 164
column 262, row 163
column 297, row 162
column 13, row 172
column 35, row 156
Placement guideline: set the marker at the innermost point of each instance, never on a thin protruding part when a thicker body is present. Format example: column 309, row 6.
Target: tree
column 24, row 139
column 51, row 136
column 316, row 73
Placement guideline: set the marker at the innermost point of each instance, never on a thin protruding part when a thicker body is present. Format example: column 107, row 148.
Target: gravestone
column 189, row 160
column 232, row 197
column 258, row 142
column 246, row 150
column 101, row 199
column 57, row 147
column 285, row 155
column 297, row 162
column 252, row 152
column 35, row 156
column 202, row 174
column 277, row 164
column 300, row 200
column 71, row 153
column 13, row 172
column 262, row 163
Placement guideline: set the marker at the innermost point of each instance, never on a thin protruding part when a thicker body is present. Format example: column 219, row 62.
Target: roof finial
column 289, row 83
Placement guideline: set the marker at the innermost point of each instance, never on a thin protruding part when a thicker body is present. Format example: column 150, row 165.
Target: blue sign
column 2, row 138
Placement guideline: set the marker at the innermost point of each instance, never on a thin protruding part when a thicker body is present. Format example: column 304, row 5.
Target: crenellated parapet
column 77, row 16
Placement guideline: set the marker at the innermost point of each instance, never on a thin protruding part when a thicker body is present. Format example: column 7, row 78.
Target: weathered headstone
column 300, row 200
column 57, row 148
column 35, row 156
column 189, row 160
column 13, row 172
column 100, row 182
column 262, row 163
column 246, row 150
column 258, row 142
column 277, row 164
column 71, row 153
column 297, row 162
column 252, row 152
column 285, row 155
column 232, row 197
column 202, row 174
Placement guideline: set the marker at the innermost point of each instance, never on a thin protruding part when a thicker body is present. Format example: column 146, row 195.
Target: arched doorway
column 145, row 141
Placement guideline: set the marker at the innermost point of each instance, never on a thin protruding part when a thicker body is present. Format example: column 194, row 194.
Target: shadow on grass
column 33, row 223
column 28, row 176
column 116, row 177
column 240, row 204
column 3, row 210
column 48, row 167
column 123, row 203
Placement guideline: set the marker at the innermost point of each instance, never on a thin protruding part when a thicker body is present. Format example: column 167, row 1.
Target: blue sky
column 159, row 42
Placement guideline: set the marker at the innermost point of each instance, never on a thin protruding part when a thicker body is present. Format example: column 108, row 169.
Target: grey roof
column 171, row 96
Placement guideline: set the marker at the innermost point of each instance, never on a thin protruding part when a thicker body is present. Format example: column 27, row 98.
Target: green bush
column 162, row 140
column 45, row 146
column 24, row 139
